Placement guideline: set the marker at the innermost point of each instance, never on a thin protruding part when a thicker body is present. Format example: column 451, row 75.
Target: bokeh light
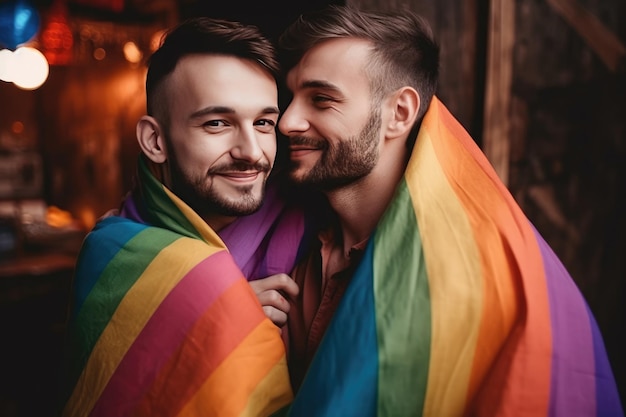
column 19, row 23
column 30, row 68
column 6, row 65
column 132, row 52
column 17, row 127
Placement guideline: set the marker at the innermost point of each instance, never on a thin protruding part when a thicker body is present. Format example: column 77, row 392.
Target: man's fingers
column 283, row 282
column 280, row 282
column 274, row 299
column 289, row 286
column 279, row 318
column 271, row 292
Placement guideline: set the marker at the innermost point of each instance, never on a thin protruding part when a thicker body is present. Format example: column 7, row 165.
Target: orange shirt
column 322, row 277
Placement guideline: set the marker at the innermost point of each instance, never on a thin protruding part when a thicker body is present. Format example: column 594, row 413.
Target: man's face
column 221, row 141
column 332, row 124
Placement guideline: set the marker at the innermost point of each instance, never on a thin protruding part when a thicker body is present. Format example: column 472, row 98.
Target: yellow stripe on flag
column 456, row 293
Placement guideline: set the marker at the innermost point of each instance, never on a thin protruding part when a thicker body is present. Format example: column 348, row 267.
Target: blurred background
column 539, row 84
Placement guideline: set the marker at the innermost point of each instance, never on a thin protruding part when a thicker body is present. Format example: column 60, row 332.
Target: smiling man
column 217, row 141
column 429, row 293
column 163, row 321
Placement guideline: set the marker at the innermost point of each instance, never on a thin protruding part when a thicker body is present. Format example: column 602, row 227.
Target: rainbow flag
column 163, row 322
column 459, row 307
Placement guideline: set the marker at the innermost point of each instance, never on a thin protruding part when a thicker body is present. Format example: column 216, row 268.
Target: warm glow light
column 56, row 217
column 87, row 217
column 155, row 41
column 30, row 69
column 99, row 54
column 6, row 65
column 56, row 38
column 17, row 127
column 132, row 52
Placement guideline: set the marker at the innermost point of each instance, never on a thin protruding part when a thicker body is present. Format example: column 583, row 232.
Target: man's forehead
column 330, row 61
column 210, row 84
column 350, row 46
column 215, row 65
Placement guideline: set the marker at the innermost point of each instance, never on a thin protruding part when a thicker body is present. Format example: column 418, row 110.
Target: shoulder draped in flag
column 459, row 307
column 163, row 322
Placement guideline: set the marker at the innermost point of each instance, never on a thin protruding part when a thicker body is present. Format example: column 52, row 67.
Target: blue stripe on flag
column 343, row 377
column 118, row 232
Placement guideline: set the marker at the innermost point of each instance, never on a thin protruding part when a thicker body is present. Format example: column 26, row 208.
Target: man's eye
column 215, row 123
column 321, row 99
column 265, row 122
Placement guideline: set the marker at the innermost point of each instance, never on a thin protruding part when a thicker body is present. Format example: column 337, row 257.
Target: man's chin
column 299, row 177
column 242, row 206
column 240, row 211
column 325, row 184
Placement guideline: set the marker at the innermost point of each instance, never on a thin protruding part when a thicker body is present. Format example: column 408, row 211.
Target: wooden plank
column 468, row 55
column 496, row 129
column 601, row 40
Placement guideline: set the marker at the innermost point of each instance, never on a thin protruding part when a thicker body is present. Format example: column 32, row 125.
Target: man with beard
column 430, row 292
column 162, row 320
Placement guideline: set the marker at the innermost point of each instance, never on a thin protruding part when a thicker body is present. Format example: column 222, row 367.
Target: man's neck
column 359, row 206
column 218, row 222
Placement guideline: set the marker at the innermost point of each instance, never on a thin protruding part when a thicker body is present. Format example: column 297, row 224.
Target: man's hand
column 271, row 292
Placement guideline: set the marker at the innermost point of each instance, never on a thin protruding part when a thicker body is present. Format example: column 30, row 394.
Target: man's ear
column 405, row 104
column 151, row 140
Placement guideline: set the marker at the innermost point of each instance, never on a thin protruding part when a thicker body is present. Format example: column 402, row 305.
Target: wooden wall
column 459, row 27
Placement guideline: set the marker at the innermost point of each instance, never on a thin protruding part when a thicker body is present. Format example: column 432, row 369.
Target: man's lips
column 297, row 151
column 240, row 176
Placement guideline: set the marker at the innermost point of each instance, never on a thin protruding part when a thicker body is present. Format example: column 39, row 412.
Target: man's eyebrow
column 211, row 110
column 271, row 110
column 320, row 84
column 228, row 110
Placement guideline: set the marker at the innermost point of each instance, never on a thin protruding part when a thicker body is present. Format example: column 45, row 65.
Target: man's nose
column 293, row 120
column 248, row 146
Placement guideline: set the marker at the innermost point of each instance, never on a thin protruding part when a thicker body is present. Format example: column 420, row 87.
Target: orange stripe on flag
column 518, row 271
column 265, row 388
column 225, row 324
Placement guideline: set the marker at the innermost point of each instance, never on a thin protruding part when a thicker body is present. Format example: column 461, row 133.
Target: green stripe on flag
column 403, row 313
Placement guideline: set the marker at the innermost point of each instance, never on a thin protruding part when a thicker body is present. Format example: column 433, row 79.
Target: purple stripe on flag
column 572, row 388
column 609, row 404
column 260, row 244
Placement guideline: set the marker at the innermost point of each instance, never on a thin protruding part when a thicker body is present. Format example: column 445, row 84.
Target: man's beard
column 343, row 163
column 199, row 192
